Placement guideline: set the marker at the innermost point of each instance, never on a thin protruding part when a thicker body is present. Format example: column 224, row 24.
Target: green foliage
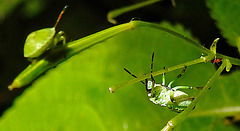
column 226, row 14
column 75, row 96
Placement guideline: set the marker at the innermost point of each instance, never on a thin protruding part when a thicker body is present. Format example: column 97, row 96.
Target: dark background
column 85, row 17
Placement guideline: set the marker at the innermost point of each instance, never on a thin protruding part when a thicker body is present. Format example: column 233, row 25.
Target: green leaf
column 75, row 95
column 226, row 14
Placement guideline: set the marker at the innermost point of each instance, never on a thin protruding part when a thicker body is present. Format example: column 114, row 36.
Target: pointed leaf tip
column 213, row 47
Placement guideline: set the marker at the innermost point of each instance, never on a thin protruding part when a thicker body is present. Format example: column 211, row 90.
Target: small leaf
column 213, row 47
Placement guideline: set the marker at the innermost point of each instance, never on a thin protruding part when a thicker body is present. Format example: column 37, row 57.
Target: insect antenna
column 152, row 68
column 60, row 15
column 133, row 75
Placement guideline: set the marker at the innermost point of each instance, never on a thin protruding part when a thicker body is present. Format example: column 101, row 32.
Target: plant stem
column 117, row 12
column 179, row 118
column 112, row 89
column 55, row 56
column 141, row 24
column 222, row 112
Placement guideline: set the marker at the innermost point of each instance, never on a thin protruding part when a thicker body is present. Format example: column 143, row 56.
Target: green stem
column 234, row 61
column 141, row 24
column 179, row 118
column 211, row 55
column 117, row 12
column 222, row 112
column 56, row 56
column 112, row 89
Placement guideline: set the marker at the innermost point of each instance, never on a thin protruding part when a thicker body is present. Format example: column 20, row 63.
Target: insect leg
column 183, row 71
column 63, row 37
column 186, row 87
column 60, row 36
column 178, row 76
column 163, row 77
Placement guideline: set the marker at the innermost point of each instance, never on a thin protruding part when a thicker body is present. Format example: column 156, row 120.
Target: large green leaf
column 226, row 13
column 75, row 96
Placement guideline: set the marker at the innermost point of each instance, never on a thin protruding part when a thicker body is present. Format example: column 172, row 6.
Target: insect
column 216, row 60
column 38, row 42
column 167, row 96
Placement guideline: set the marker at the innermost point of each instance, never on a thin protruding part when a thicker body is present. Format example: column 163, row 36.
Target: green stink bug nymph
column 167, row 96
column 38, row 42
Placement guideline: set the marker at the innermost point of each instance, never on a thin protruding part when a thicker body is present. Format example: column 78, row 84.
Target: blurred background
column 18, row 18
